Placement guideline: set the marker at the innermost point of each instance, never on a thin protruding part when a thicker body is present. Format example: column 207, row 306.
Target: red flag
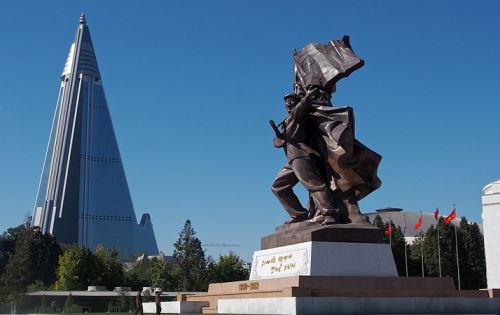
column 450, row 216
column 436, row 214
column 419, row 222
column 389, row 229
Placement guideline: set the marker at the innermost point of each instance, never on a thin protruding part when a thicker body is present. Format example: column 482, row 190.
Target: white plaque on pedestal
column 324, row 259
column 285, row 261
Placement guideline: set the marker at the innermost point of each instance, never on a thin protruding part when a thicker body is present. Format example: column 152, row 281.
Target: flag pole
column 422, row 254
column 436, row 216
column 456, row 250
column 390, row 234
column 404, row 238
column 418, row 225
column 406, row 260
column 439, row 250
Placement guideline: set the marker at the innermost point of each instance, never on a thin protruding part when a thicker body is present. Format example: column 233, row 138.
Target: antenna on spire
column 83, row 19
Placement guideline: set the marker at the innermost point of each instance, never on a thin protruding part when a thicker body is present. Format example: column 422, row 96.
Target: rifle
column 279, row 141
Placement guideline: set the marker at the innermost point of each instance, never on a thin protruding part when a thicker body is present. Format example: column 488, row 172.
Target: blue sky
column 191, row 87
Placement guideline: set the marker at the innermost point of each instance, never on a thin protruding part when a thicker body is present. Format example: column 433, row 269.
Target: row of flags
column 447, row 220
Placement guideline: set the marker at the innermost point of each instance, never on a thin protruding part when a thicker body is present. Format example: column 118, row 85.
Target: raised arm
column 304, row 106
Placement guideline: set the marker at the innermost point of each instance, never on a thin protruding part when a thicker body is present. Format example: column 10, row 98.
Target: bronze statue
column 319, row 141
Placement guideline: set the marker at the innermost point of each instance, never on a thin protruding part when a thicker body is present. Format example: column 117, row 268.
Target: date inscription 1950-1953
column 249, row 286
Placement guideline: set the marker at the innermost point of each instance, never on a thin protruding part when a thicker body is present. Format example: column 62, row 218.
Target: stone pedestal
column 311, row 249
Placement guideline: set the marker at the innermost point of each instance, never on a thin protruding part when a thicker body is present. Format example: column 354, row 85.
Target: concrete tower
column 491, row 227
column 83, row 197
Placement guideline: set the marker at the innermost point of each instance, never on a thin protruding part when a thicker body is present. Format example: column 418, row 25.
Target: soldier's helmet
column 292, row 96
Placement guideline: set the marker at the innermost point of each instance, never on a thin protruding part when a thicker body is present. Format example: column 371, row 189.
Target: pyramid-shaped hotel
column 83, row 197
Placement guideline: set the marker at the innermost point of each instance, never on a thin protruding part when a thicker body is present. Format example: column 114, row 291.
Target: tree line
column 33, row 261
column 424, row 249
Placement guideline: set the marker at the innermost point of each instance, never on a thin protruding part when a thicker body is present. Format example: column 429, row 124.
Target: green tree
column 469, row 253
column 189, row 261
column 162, row 275
column 228, row 268
column 398, row 250
column 378, row 222
column 474, row 263
column 448, row 253
column 110, row 268
column 139, row 275
column 34, row 259
column 447, row 250
column 18, row 272
column 415, row 255
column 397, row 242
column 414, row 262
column 36, row 286
column 431, row 256
column 78, row 268
column 8, row 244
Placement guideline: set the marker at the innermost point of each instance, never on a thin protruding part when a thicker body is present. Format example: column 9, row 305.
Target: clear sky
column 191, row 86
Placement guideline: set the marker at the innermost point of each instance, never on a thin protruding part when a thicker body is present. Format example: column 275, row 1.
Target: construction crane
column 220, row 245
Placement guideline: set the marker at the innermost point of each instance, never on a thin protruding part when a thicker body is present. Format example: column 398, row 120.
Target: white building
column 491, row 228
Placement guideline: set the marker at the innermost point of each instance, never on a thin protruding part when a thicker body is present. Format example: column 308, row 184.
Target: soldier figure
column 302, row 164
column 319, row 141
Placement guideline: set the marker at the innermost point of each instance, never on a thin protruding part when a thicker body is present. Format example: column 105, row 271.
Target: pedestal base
column 324, row 288
column 356, row 305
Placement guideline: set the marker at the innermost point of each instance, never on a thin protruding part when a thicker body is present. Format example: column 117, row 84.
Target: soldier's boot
column 298, row 218
column 326, row 217
column 355, row 215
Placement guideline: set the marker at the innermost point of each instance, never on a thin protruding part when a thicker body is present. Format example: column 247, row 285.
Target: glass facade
column 83, row 196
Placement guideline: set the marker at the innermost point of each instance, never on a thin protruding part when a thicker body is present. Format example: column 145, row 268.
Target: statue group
column 319, row 141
